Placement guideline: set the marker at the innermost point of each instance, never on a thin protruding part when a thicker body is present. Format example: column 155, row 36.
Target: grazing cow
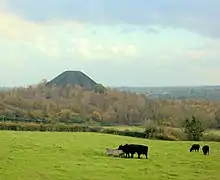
column 124, row 149
column 205, row 149
column 134, row 148
column 114, row 152
column 195, row 147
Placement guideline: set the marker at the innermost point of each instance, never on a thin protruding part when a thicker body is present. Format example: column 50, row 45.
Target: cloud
column 47, row 37
column 126, row 28
column 127, row 47
column 3, row 5
column 200, row 16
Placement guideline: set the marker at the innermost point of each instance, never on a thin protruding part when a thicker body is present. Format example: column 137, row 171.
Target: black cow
column 195, row 147
column 205, row 149
column 124, row 149
column 134, row 148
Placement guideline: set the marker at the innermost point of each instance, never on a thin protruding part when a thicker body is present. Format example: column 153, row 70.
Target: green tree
column 193, row 129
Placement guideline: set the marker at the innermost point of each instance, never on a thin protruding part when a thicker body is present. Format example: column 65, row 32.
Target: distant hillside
column 192, row 92
column 4, row 88
column 73, row 78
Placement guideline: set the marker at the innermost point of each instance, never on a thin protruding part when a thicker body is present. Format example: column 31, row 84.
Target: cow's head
column 120, row 147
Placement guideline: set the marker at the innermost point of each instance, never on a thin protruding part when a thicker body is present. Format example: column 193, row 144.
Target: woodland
column 74, row 104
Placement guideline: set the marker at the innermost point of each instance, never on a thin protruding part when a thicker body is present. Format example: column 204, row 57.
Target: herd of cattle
column 196, row 148
column 128, row 149
column 131, row 149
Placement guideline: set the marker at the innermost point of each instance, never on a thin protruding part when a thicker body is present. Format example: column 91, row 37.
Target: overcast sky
column 115, row 42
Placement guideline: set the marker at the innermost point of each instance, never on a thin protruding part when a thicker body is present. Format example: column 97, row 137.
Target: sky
column 115, row 42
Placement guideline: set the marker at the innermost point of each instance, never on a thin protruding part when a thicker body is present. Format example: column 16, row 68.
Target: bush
column 174, row 133
column 211, row 137
column 164, row 137
column 162, row 133
column 151, row 129
column 193, row 129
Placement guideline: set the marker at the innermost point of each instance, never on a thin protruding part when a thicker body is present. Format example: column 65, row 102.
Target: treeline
column 76, row 105
column 161, row 133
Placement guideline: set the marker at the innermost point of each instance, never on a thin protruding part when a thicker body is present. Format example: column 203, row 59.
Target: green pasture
column 80, row 156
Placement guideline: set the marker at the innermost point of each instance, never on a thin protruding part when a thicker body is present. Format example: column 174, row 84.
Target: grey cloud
column 151, row 31
column 200, row 16
column 130, row 29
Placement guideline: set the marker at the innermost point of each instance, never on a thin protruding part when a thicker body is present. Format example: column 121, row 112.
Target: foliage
column 99, row 88
column 151, row 129
column 193, row 129
column 72, row 104
column 162, row 133
column 67, row 128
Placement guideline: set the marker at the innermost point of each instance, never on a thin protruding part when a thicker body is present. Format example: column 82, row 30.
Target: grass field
column 80, row 156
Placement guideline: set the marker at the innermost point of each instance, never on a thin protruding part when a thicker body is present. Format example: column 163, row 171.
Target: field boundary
column 169, row 134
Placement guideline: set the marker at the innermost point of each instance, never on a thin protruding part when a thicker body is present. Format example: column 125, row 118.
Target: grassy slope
column 78, row 156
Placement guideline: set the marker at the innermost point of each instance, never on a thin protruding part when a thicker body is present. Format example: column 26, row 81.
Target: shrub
column 193, row 129
column 151, row 129
column 162, row 133
column 174, row 133
column 211, row 137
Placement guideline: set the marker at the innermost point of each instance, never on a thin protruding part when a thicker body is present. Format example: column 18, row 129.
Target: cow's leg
column 146, row 154
column 139, row 156
column 132, row 155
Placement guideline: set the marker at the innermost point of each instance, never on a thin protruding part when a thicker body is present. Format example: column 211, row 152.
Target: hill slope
column 192, row 92
column 56, row 156
column 73, row 78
